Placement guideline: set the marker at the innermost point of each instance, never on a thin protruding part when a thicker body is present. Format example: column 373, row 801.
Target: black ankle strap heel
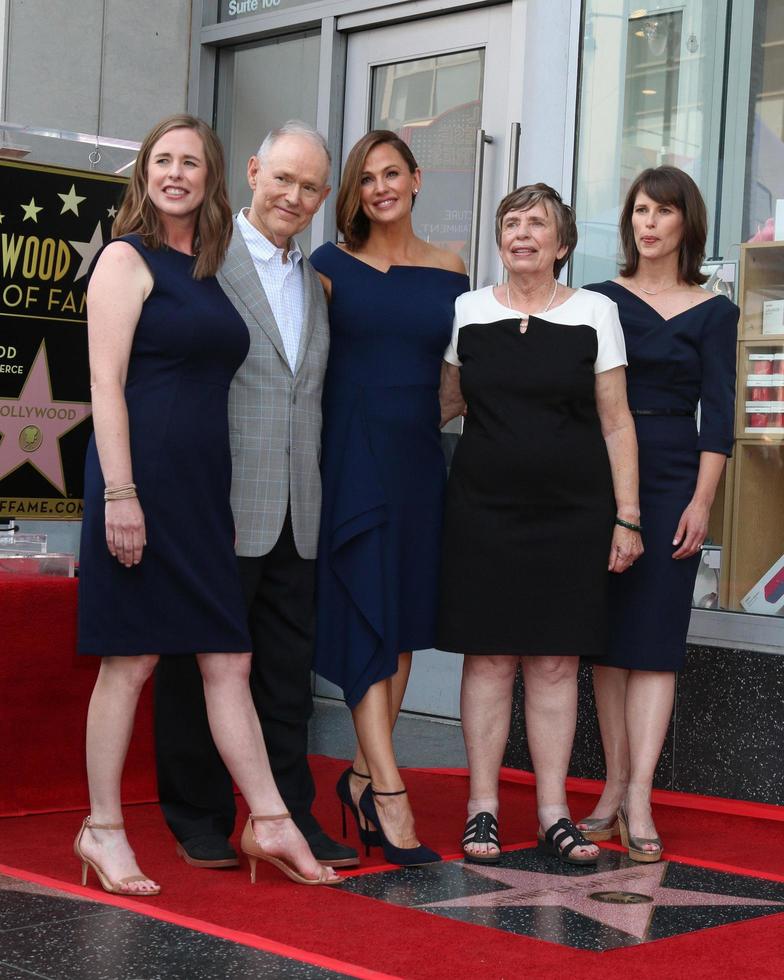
column 404, row 856
column 367, row 836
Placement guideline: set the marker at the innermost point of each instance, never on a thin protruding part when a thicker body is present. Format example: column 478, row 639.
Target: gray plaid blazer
column 274, row 414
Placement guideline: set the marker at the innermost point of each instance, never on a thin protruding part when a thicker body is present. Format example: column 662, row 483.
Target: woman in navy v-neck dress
column 158, row 574
column 391, row 301
column 680, row 344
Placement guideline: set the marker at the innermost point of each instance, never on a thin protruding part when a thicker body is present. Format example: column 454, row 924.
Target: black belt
column 679, row 412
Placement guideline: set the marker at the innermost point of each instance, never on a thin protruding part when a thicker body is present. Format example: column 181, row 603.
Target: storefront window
column 671, row 83
column 765, row 144
column 260, row 86
column 651, row 94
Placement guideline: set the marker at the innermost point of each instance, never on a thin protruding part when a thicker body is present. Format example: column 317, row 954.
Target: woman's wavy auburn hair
column 669, row 185
column 352, row 221
column 138, row 215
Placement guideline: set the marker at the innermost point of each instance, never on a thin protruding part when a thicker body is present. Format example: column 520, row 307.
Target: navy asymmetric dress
column 673, row 365
column 383, row 468
column 185, row 595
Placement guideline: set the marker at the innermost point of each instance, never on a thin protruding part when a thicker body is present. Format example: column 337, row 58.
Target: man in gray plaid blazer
column 275, row 432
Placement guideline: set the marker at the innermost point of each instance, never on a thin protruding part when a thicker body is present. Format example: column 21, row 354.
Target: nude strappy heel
column 253, row 850
column 114, row 887
column 636, row 845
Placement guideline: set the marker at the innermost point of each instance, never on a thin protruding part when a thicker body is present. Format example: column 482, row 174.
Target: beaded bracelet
column 126, row 491
column 628, row 525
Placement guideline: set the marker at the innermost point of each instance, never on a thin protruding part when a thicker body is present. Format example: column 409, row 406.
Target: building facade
column 582, row 94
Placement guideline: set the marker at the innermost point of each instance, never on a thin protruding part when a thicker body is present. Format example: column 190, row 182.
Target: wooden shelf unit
column 761, row 279
column 759, row 404
column 753, row 525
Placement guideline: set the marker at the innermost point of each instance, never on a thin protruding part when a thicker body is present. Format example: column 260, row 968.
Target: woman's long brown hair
column 138, row 215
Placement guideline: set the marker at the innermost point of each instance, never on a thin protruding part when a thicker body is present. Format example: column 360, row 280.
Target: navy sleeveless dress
column 383, row 468
column 184, row 596
column 673, row 365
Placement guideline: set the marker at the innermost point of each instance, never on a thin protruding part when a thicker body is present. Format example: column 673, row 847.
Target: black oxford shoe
column 328, row 851
column 208, row 851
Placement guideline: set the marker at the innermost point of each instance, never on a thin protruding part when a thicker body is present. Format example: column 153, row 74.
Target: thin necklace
column 543, row 310
column 655, row 292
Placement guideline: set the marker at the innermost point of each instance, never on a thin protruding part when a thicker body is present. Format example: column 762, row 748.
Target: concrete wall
column 53, row 63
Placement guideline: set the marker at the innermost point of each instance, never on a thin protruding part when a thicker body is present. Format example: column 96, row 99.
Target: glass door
column 443, row 84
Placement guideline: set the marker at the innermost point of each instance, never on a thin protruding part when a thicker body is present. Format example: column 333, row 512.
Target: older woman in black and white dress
column 542, row 500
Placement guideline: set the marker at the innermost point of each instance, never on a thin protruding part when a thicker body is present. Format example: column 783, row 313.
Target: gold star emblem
column 30, row 211
column 112, row 211
column 71, row 201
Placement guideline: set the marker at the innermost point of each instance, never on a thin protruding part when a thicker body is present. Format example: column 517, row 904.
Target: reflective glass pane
column 651, row 94
column 765, row 149
column 435, row 105
column 260, row 86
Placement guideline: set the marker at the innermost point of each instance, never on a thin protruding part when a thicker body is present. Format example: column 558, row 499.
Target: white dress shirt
column 283, row 283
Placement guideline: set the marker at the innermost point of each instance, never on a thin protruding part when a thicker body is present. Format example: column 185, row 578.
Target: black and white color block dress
column 530, row 505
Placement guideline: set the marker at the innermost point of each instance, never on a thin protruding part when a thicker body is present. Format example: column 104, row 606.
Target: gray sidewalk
column 419, row 740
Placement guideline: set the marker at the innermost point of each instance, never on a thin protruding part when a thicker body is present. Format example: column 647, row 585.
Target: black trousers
column 194, row 786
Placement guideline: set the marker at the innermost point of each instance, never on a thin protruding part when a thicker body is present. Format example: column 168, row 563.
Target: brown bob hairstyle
column 527, row 197
column 137, row 214
column 352, row 221
column 669, row 185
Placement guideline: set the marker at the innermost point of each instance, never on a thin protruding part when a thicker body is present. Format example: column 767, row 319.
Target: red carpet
column 411, row 944
column 46, row 686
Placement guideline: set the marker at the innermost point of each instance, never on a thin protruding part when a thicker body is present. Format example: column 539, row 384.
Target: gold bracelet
column 126, row 491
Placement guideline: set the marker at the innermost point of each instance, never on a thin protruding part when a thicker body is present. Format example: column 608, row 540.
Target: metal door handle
column 476, row 207
column 514, row 156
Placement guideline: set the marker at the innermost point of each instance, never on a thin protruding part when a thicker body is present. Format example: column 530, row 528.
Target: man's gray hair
column 293, row 127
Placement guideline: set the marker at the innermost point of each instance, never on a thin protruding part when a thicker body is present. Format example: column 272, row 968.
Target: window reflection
column 435, row 105
column 765, row 146
column 260, row 86
column 655, row 127
column 651, row 94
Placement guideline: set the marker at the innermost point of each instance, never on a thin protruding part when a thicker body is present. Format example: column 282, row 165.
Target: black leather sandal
column 482, row 829
column 556, row 842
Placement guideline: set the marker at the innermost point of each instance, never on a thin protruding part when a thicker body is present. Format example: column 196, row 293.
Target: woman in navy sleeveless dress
column 158, row 575
column 391, row 301
column 680, row 344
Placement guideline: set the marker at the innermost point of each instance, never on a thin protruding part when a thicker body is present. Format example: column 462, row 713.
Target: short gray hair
column 531, row 194
column 294, row 127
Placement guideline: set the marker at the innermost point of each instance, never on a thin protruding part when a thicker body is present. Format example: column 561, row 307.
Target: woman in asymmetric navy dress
column 680, row 344
column 391, row 301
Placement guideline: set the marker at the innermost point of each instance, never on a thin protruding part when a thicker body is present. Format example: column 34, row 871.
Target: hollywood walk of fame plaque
column 615, row 903
column 52, row 223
